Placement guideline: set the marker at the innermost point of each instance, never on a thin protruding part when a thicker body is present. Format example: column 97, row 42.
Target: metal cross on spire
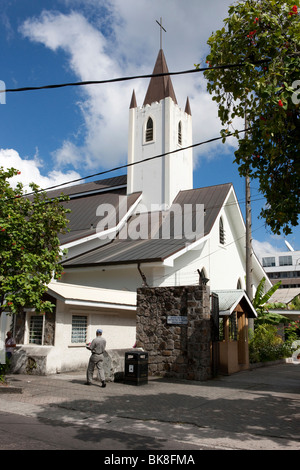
column 161, row 28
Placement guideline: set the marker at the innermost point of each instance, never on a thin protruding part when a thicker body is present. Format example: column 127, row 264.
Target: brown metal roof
column 85, row 198
column 93, row 186
column 83, row 218
column 119, row 251
column 160, row 87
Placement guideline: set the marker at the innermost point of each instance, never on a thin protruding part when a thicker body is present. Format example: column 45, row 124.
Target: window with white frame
column 268, row 261
column 79, row 329
column 285, row 261
column 36, row 328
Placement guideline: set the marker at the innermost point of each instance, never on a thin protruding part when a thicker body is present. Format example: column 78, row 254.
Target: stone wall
column 175, row 350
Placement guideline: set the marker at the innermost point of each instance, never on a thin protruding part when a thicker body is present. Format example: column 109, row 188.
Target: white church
column 147, row 228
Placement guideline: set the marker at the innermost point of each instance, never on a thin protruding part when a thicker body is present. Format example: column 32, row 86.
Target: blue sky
column 54, row 136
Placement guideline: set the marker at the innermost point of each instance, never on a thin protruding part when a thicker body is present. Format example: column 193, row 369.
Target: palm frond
column 270, row 292
column 259, row 293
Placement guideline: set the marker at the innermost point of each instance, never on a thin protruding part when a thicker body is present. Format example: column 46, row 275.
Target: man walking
column 97, row 347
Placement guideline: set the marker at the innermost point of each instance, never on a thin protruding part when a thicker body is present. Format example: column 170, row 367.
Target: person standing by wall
column 97, row 348
column 10, row 345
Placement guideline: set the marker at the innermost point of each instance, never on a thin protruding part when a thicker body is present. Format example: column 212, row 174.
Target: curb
column 6, row 388
column 256, row 365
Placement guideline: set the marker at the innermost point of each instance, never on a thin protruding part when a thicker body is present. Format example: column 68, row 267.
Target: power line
column 216, row 206
column 134, row 77
column 135, row 163
column 208, row 255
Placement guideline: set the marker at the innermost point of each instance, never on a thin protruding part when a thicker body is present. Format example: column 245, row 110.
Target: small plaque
column 177, row 320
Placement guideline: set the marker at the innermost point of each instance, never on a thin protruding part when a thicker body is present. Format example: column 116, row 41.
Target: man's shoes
column 87, row 383
column 103, row 384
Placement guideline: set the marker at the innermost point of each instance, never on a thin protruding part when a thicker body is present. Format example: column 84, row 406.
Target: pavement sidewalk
column 257, row 409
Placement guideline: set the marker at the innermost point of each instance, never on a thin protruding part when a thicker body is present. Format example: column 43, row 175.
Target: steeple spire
column 160, row 87
column 133, row 101
column 188, row 107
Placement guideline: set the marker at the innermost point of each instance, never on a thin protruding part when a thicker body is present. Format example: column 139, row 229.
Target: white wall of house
column 119, row 330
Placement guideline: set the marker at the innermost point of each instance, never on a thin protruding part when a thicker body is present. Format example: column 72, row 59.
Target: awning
column 72, row 294
column 229, row 299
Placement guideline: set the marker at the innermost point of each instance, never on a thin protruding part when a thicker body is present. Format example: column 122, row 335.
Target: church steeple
column 159, row 127
column 160, row 87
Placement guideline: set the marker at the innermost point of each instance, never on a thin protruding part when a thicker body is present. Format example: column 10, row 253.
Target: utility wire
column 134, row 77
column 208, row 255
column 135, row 163
column 216, row 206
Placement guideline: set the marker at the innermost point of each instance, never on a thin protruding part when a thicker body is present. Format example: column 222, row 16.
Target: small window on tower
column 149, row 130
column 221, row 232
column 179, row 133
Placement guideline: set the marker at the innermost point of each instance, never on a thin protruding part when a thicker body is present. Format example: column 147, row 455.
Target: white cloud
column 128, row 46
column 264, row 248
column 104, row 108
column 30, row 171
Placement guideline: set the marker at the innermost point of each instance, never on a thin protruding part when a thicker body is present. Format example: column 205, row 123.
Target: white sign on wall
column 177, row 320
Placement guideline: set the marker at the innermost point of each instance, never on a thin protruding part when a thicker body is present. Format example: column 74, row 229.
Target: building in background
column 283, row 266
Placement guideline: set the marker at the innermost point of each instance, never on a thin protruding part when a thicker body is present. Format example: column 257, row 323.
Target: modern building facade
column 283, row 266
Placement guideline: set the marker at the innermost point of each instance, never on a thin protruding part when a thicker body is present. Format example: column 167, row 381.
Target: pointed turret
column 160, row 87
column 187, row 107
column 133, row 101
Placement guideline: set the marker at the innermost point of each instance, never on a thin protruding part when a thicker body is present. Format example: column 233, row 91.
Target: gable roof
column 160, row 87
column 83, row 218
column 83, row 189
column 229, row 299
column 128, row 251
column 85, row 198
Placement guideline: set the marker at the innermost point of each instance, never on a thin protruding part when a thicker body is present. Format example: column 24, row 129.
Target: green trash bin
column 136, row 368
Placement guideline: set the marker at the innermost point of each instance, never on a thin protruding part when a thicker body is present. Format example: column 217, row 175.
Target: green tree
column 266, row 345
column 261, row 306
column 30, row 252
column 264, row 37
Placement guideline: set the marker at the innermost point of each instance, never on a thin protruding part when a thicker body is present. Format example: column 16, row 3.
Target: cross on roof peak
column 161, row 28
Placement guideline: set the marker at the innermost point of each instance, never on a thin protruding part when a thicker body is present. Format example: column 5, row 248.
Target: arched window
column 149, row 130
column 179, row 133
column 221, row 232
column 239, row 284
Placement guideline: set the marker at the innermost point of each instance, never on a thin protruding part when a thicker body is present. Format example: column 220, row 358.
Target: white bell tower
column 156, row 128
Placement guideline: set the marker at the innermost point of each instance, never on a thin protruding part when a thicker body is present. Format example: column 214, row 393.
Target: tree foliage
column 262, row 307
column 30, row 252
column 264, row 37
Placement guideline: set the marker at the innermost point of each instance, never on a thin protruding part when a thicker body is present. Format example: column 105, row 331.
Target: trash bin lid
column 136, row 354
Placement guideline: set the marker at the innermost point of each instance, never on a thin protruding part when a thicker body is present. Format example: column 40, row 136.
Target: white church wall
column 178, row 166
column 141, row 177
column 159, row 179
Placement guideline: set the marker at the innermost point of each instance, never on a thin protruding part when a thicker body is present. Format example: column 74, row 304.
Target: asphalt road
column 29, row 433
column 253, row 410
